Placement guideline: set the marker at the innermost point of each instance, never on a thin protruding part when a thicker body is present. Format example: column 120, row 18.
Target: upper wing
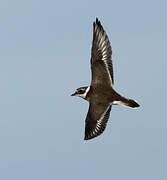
column 96, row 119
column 101, row 64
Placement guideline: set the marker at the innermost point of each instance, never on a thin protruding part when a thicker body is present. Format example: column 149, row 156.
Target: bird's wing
column 96, row 120
column 101, row 64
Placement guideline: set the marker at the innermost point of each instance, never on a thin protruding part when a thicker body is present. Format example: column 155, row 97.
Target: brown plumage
column 100, row 94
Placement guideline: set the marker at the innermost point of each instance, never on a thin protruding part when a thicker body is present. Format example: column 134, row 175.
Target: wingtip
column 96, row 21
column 91, row 136
column 87, row 138
column 97, row 24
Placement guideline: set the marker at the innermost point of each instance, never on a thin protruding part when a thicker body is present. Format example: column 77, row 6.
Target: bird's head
column 81, row 92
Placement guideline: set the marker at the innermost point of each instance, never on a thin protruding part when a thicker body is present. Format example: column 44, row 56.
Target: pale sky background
column 45, row 56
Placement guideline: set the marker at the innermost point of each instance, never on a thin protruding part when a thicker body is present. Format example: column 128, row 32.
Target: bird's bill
column 73, row 94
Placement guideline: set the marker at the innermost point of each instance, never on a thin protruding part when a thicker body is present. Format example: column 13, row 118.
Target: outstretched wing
column 101, row 64
column 96, row 120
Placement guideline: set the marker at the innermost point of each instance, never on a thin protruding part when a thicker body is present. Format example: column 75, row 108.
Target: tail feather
column 127, row 102
column 131, row 103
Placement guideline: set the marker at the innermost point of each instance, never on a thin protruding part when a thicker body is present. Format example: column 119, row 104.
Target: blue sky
column 45, row 53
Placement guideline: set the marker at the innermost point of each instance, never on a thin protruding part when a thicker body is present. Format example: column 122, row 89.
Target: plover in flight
column 101, row 93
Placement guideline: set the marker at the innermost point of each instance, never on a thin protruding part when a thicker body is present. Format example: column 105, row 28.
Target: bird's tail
column 127, row 102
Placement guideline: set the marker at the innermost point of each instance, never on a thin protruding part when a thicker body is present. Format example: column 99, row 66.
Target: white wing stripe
column 98, row 125
column 108, row 73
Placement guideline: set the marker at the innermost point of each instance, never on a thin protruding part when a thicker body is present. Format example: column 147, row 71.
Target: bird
column 101, row 94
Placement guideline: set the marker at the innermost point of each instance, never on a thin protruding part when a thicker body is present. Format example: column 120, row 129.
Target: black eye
column 80, row 91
